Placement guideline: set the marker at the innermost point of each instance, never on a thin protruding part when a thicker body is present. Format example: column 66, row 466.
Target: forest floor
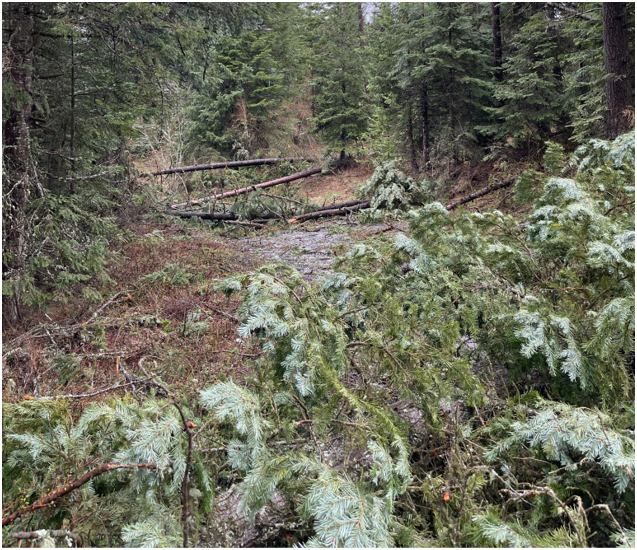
column 165, row 311
column 164, row 305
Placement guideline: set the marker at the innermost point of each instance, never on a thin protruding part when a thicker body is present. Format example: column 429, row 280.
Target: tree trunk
column 481, row 193
column 220, row 165
column 616, row 61
column 251, row 188
column 497, row 40
column 16, row 153
column 336, row 210
column 72, row 115
column 361, row 25
column 424, row 112
column 410, row 138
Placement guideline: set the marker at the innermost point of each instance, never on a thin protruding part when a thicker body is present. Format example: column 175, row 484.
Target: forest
column 318, row 274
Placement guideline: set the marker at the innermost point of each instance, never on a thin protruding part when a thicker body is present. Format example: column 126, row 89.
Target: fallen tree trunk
column 218, row 216
column 247, row 224
column 251, row 188
column 204, row 215
column 481, row 193
column 339, row 211
column 219, row 165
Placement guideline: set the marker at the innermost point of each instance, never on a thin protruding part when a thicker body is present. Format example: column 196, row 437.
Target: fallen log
column 218, row 216
column 481, row 193
column 251, row 188
column 337, row 209
column 247, row 224
column 220, row 165
column 204, row 215
column 342, row 211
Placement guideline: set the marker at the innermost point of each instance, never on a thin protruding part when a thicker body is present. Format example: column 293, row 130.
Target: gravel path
column 309, row 250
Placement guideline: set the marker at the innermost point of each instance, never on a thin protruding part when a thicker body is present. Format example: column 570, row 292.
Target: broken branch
column 251, row 188
column 66, row 489
column 220, row 165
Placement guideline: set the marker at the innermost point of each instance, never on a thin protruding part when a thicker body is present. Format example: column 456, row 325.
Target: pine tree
column 340, row 113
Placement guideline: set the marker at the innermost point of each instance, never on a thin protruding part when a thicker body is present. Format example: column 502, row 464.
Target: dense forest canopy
column 467, row 380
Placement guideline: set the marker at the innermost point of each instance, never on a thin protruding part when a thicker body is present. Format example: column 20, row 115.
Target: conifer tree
column 340, row 112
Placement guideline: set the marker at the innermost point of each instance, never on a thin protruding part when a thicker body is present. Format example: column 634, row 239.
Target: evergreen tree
column 248, row 77
column 531, row 95
column 340, row 105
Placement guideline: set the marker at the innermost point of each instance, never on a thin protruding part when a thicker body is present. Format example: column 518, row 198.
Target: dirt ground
column 337, row 187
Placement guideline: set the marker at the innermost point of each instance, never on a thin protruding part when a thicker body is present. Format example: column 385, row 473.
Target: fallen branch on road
column 221, row 165
column 341, row 210
column 251, row 188
column 481, row 193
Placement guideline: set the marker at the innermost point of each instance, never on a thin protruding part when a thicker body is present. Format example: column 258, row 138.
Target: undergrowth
column 385, row 407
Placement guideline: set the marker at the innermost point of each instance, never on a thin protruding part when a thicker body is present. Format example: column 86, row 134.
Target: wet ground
column 311, row 250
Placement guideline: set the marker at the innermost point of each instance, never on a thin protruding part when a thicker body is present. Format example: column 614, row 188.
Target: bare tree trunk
column 410, row 138
column 72, row 115
column 16, row 153
column 251, row 188
column 497, row 40
column 361, row 25
column 222, row 165
column 424, row 113
column 616, row 61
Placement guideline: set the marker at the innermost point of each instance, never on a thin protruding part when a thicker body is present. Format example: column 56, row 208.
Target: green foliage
column 391, row 191
column 247, row 77
column 171, row 274
column 44, row 447
column 560, row 433
column 340, row 113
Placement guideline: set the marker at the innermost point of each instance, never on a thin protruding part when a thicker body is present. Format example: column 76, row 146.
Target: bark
column 410, row 138
column 220, row 165
column 617, row 66
column 251, row 188
column 424, row 113
column 497, row 40
column 361, row 25
column 481, row 193
column 340, row 211
column 16, row 151
column 73, row 114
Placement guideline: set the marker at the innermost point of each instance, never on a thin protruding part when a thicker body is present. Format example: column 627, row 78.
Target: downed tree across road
column 250, row 188
column 221, row 165
column 337, row 209
column 481, row 193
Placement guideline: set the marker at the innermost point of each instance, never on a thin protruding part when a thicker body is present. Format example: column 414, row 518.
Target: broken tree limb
column 71, row 486
column 218, row 216
column 337, row 209
column 481, row 193
column 220, row 165
column 251, row 188
column 247, row 224
column 341, row 211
